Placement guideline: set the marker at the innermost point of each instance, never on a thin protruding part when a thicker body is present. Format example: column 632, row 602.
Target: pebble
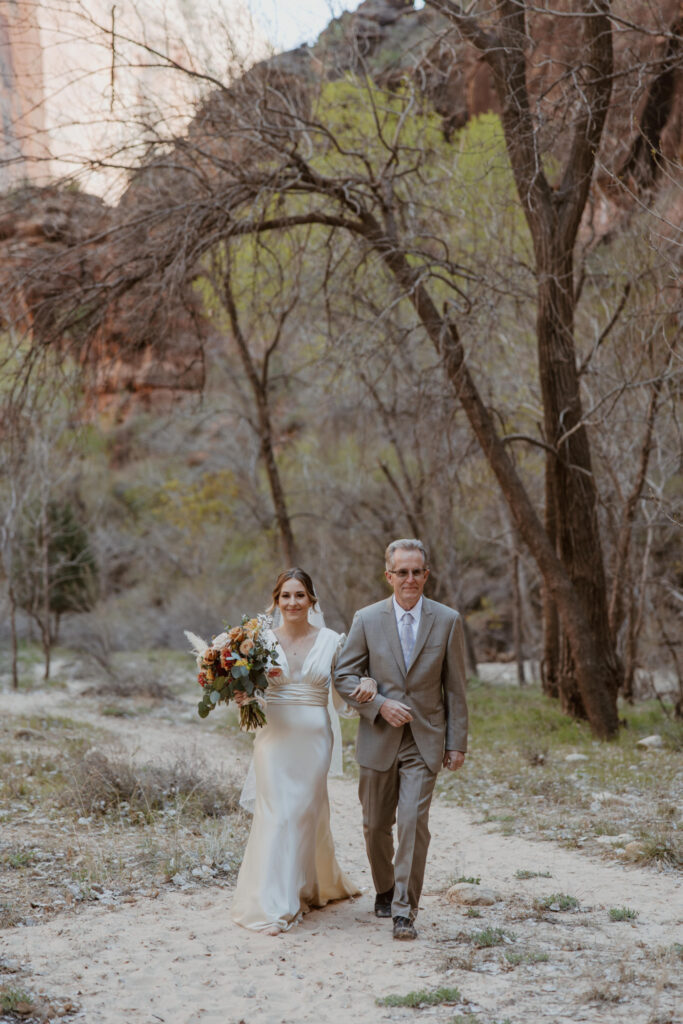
column 634, row 850
column 621, row 840
column 654, row 742
column 471, row 895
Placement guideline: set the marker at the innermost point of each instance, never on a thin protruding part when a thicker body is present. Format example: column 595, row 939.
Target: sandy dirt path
column 179, row 959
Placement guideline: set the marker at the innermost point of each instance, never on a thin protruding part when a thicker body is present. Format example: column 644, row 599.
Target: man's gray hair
column 407, row 544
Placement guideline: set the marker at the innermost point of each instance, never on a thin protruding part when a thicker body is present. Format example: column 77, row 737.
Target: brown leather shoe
column 383, row 903
column 404, row 928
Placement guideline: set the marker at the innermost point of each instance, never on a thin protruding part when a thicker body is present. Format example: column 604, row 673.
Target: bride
column 289, row 864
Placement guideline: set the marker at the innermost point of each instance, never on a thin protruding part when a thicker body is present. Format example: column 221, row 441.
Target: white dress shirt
column 415, row 611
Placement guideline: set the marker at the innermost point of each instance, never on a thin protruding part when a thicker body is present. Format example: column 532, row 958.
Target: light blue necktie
column 407, row 637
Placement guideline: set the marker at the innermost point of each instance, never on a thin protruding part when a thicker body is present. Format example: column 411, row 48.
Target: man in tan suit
column 414, row 649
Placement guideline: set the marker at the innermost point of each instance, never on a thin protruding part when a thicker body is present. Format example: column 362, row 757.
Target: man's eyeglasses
column 403, row 574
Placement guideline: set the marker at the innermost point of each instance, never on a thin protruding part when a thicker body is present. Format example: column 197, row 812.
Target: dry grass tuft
column 130, row 686
column 602, row 994
column 98, row 784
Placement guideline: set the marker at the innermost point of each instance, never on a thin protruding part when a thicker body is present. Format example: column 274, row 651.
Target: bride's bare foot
column 273, row 930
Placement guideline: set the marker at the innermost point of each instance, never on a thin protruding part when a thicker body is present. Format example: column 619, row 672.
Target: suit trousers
column 402, row 796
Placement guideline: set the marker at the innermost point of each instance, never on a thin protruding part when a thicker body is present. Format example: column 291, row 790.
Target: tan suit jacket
column 433, row 686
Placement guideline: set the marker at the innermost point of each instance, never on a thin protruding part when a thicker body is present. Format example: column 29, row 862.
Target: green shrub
column 557, row 901
column 436, row 997
column 622, row 914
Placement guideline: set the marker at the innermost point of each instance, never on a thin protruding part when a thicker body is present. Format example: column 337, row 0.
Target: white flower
column 197, row 645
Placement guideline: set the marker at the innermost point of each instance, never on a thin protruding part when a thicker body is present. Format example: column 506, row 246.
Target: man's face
column 407, row 576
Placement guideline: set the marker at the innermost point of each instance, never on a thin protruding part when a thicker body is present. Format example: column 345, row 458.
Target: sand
column 173, row 955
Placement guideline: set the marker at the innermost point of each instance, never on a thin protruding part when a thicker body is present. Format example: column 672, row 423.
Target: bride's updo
column 293, row 574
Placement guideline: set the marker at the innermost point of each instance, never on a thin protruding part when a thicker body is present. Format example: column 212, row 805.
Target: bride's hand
column 241, row 698
column 365, row 691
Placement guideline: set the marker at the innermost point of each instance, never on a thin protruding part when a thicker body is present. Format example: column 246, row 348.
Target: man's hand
column 453, row 759
column 365, row 691
column 395, row 712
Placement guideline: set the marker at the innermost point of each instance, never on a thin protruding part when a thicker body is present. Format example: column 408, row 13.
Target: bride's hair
column 293, row 574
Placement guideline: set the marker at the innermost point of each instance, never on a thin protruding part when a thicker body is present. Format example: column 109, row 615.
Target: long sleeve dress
column 289, row 863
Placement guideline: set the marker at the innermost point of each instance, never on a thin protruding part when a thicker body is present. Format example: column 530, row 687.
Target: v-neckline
column 308, row 652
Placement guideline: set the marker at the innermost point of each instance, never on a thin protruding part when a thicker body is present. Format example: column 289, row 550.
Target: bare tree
column 346, row 159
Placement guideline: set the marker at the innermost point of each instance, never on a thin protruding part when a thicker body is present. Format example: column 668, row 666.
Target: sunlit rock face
column 85, row 87
column 22, row 113
column 58, row 252
column 81, row 84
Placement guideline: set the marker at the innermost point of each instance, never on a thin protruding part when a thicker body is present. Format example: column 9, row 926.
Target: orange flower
column 246, row 646
column 210, row 655
column 236, row 634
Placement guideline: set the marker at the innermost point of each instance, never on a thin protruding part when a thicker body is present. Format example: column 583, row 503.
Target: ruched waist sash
column 297, row 693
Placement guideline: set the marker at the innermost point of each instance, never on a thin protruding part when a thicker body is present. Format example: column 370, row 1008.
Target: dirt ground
column 170, row 952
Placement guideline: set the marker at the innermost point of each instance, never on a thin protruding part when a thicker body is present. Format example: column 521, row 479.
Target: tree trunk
column 13, row 635
column 45, row 638
column 590, row 672
column 643, row 163
column 591, row 663
column 635, row 619
column 517, row 618
column 621, row 576
column 470, row 651
column 571, row 472
column 44, row 619
column 277, row 493
column 259, row 387
column 550, row 661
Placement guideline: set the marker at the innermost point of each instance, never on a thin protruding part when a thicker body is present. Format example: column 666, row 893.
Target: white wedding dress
column 289, row 864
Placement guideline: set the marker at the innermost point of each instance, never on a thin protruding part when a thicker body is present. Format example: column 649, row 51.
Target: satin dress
column 289, row 863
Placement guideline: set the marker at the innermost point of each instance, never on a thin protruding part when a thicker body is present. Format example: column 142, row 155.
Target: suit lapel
column 424, row 629
column 392, row 632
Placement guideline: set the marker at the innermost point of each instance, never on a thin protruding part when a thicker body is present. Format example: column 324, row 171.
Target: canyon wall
column 86, row 87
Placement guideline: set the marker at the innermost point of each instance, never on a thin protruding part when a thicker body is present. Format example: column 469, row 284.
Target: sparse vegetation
column 487, row 937
column 18, row 859
column 602, row 994
column 9, row 915
column 558, row 803
column 14, row 999
column 116, row 826
column 98, row 785
column 663, row 847
column 622, row 914
column 524, row 874
column 557, row 901
column 515, row 959
column 436, row 997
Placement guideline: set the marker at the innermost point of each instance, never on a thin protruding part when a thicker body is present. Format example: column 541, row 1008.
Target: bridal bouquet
column 238, row 660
